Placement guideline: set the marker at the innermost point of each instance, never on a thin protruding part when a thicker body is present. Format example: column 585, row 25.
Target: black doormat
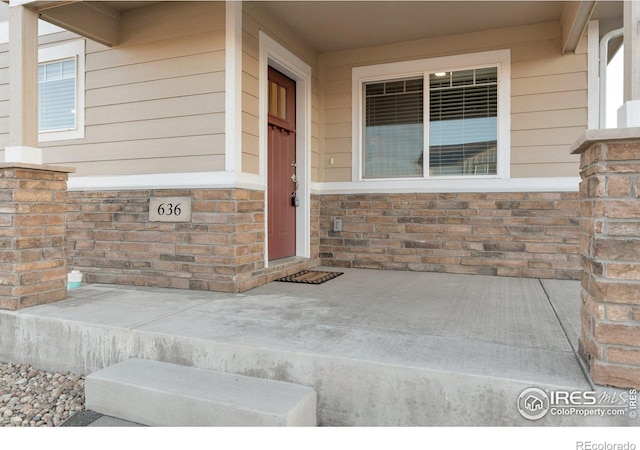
column 310, row 277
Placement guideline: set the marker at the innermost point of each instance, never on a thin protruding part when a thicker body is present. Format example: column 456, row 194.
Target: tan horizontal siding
column 548, row 66
column 337, row 115
column 150, row 165
column 548, row 95
column 551, row 136
column 548, row 102
column 546, row 170
column 57, row 38
column 337, row 174
column 337, row 130
column 156, row 70
column 550, row 154
column 249, row 103
column 340, row 160
column 155, row 109
column 549, row 83
column 155, row 103
column 256, row 19
column 156, row 89
column 145, row 149
column 250, row 93
column 337, row 146
column 549, row 119
column 205, row 124
column 155, row 51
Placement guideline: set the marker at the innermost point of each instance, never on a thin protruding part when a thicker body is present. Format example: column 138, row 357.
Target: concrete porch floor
column 381, row 348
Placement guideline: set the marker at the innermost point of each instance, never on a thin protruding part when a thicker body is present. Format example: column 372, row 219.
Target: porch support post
column 23, row 81
column 609, row 249
column 629, row 112
column 233, row 86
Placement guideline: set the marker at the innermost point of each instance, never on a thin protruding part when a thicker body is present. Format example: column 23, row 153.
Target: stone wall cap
column 589, row 137
column 47, row 167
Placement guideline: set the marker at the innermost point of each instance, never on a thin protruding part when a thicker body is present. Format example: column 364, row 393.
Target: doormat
column 310, row 277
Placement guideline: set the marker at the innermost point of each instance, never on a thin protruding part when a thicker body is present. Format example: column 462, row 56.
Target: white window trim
column 74, row 49
column 405, row 69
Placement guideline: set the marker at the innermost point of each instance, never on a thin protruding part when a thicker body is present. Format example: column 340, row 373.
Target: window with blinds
column 394, row 130
column 463, row 122
column 57, row 96
column 462, row 125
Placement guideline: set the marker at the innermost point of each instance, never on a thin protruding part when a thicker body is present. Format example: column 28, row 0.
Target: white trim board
column 540, row 184
column 233, row 89
column 189, row 180
column 227, row 180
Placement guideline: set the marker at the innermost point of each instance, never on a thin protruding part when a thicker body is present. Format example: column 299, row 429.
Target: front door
column 281, row 181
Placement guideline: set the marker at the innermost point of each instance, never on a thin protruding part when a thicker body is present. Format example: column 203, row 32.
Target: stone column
column 610, row 252
column 33, row 262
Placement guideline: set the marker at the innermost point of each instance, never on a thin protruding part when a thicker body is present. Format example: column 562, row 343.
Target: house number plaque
column 170, row 209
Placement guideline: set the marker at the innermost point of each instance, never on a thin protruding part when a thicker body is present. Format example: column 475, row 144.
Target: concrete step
column 161, row 394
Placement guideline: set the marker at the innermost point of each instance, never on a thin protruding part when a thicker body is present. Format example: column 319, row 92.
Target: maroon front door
column 281, row 180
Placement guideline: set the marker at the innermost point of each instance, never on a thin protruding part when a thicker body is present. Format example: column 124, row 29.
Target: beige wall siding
column 256, row 19
column 155, row 103
column 548, row 96
column 250, row 93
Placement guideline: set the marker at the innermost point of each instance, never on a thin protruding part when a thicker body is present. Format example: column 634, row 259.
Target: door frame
column 275, row 55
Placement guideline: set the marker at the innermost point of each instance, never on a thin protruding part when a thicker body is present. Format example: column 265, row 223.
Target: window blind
column 463, row 110
column 57, row 96
column 394, row 130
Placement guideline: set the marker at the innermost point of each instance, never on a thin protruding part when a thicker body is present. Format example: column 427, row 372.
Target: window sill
column 51, row 136
column 469, row 184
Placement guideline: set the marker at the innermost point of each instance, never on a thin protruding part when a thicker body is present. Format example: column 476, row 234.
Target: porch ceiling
column 96, row 20
column 329, row 26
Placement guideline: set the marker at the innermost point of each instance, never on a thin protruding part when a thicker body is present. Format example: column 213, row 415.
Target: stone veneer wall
column 506, row 234
column 110, row 239
column 33, row 265
column 610, row 250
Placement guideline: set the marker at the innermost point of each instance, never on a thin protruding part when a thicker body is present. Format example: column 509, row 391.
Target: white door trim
column 275, row 55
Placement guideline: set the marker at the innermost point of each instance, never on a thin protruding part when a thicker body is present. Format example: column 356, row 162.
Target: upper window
column 61, row 92
column 449, row 120
column 57, row 97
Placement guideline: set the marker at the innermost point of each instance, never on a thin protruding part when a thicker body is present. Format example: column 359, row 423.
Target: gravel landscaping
column 35, row 398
